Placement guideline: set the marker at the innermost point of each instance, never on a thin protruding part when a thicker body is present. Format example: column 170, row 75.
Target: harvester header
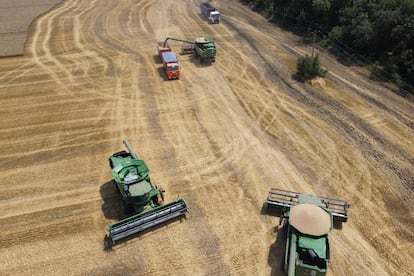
column 282, row 200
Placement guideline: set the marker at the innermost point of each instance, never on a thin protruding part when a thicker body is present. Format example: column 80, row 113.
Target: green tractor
column 139, row 197
column 309, row 220
column 203, row 48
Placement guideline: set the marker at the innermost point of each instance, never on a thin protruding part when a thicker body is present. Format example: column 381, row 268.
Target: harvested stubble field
column 219, row 137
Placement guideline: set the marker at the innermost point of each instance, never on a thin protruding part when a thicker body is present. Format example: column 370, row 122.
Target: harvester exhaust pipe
column 131, row 151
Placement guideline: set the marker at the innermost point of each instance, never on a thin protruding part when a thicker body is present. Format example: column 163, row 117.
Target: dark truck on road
column 210, row 12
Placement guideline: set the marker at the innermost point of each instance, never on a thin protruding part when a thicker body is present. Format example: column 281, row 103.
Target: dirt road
column 219, row 137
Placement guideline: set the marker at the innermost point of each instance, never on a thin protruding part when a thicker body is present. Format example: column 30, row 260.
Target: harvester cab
column 309, row 220
column 139, row 197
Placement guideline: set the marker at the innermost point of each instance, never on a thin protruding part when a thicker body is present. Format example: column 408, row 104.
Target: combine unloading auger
column 139, row 196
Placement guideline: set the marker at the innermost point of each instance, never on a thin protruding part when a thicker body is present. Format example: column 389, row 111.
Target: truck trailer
column 210, row 12
column 169, row 60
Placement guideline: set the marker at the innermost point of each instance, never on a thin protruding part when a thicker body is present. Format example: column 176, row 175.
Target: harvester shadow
column 193, row 59
column 201, row 64
column 112, row 205
column 277, row 250
column 337, row 225
column 276, row 255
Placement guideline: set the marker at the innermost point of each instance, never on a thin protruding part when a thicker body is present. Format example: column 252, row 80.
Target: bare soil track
column 219, row 137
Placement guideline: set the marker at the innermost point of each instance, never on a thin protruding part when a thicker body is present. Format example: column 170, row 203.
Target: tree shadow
column 298, row 78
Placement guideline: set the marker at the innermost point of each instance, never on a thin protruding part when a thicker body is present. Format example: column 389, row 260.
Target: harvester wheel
column 160, row 198
column 116, row 187
column 107, row 243
column 161, row 194
column 127, row 208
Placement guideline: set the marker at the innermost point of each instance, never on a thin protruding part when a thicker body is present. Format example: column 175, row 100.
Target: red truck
column 169, row 60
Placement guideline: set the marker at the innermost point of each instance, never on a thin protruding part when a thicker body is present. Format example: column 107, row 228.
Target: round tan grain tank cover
column 310, row 219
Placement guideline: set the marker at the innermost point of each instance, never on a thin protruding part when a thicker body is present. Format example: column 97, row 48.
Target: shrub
column 309, row 67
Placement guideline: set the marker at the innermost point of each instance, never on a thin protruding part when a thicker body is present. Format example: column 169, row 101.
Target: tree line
column 375, row 33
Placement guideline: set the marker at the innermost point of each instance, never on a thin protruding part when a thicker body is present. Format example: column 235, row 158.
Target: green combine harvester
column 139, row 197
column 309, row 220
column 203, row 48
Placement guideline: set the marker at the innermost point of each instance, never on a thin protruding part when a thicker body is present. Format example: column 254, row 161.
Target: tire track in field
column 222, row 161
column 322, row 104
column 42, row 37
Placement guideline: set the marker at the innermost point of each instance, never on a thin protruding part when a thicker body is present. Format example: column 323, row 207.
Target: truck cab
column 173, row 70
column 214, row 17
